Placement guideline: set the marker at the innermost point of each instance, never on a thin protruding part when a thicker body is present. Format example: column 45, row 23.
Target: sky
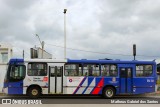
column 95, row 29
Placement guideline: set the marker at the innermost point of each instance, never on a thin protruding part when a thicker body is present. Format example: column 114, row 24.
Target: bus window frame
column 117, row 74
column 99, row 66
column 15, row 80
column 144, row 70
column 38, row 69
column 73, row 69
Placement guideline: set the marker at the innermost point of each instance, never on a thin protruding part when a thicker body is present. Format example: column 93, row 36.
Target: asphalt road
column 85, row 99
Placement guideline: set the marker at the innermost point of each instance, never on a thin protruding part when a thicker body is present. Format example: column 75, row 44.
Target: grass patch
column 158, row 82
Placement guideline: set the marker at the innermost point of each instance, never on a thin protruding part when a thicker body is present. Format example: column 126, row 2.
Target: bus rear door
column 126, row 79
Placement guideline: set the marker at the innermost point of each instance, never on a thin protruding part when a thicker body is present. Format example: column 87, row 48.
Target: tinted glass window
column 73, row 70
column 52, row 71
column 91, row 70
column 17, row 72
column 143, row 70
column 59, row 71
column 37, row 69
column 56, row 71
column 129, row 72
column 158, row 69
column 109, row 70
column 125, row 72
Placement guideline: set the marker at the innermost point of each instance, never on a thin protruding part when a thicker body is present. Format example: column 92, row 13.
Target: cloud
column 101, row 26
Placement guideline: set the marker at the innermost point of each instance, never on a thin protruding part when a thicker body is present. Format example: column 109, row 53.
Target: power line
column 20, row 51
column 100, row 52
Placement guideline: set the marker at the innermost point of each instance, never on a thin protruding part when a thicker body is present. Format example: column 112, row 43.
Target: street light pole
column 23, row 54
column 42, row 45
column 65, row 10
column 42, row 48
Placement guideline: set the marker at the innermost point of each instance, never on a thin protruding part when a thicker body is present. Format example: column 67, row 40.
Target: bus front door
column 125, row 80
column 55, row 80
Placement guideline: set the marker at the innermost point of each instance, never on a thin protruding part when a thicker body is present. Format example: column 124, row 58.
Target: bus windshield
column 16, row 73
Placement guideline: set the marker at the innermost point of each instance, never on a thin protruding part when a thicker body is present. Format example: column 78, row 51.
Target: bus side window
column 113, row 70
column 37, row 69
column 109, row 70
column 105, row 70
column 85, row 70
column 73, row 70
column 144, row 70
column 91, row 70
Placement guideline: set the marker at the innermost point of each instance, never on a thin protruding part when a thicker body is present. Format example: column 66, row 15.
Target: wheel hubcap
column 109, row 93
column 34, row 92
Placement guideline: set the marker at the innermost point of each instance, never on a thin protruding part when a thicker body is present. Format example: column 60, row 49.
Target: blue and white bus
column 34, row 77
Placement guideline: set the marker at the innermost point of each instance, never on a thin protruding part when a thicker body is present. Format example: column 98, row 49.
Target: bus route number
column 150, row 80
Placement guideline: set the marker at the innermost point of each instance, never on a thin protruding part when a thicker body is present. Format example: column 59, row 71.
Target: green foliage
column 158, row 82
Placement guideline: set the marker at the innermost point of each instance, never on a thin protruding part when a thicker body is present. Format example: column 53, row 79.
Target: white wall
column 4, row 48
column 2, row 75
column 46, row 55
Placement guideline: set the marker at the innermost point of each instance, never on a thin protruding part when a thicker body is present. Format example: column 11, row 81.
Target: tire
column 108, row 92
column 34, row 92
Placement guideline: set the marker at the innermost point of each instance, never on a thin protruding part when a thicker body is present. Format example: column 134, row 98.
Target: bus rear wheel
column 108, row 92
column 34, row 92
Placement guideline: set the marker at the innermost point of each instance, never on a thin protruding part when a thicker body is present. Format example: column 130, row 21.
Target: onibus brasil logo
column 18, row 101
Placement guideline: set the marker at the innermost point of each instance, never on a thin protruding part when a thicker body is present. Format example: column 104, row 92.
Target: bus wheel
column 108, row 92
column 34, row 92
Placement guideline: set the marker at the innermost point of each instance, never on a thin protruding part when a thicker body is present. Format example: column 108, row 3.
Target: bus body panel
column 15, row 87
column 143, row 85
column 88, row 85
column 143, row 90
column 51, row 84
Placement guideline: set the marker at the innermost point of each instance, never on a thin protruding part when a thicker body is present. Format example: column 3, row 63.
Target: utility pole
column 42, row 48
column 42, row 45
column 65, row 10
column 23, row 54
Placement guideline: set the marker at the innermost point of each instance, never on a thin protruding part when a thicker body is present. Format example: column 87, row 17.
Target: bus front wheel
column 34, row 92
column 108, row 92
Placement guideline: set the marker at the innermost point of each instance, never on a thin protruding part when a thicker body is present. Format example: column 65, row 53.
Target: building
column 37, row 52
column 5, row 54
